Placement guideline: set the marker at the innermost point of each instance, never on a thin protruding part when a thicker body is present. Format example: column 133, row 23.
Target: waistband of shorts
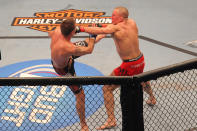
column 134, row 59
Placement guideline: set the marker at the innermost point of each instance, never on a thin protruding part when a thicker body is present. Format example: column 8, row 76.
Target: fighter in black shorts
column 63, row 53
column 69, row 70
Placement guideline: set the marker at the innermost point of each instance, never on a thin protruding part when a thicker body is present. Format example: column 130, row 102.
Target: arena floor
column 167, row 33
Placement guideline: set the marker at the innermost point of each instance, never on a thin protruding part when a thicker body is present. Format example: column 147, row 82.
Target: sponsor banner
column 48, row 21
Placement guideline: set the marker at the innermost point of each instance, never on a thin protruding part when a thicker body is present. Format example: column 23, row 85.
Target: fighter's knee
column 80, row 93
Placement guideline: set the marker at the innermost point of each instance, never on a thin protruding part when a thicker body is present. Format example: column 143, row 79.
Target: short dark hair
column 67, row 26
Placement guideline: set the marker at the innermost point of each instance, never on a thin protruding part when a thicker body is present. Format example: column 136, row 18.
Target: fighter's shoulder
column 113, row 27
column 66, row 47
column 131, row 21
column 55, row 32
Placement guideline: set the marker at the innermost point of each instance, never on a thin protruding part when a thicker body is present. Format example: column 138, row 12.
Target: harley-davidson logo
column 48, row 21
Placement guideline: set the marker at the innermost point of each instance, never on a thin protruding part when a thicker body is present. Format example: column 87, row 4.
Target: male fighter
column 124, row 31
column 63, row 52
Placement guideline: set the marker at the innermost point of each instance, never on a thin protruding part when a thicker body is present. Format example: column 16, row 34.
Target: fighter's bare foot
column 151, row 101
column 107, row 125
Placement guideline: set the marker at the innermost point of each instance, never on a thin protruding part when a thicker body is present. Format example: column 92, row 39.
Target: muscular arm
column 81, row 50
column 104, row 30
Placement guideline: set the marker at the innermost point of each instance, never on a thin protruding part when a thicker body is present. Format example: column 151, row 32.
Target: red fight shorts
column 131, row 67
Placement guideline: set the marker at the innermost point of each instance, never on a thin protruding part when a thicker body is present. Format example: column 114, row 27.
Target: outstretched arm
column 98, row 30
column 101, row 30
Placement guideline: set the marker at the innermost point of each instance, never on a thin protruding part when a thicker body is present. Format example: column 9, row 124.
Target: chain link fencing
column 47, row 104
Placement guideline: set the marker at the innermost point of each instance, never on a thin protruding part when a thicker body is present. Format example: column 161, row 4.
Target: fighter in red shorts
column 124, row 32
column 130, row 67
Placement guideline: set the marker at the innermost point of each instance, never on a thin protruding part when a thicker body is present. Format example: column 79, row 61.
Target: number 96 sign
column 31, row 108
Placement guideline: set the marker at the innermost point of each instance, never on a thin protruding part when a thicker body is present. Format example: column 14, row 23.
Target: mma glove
column 79, row 29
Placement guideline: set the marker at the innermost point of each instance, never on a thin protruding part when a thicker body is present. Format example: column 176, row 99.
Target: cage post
column 131, row 99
